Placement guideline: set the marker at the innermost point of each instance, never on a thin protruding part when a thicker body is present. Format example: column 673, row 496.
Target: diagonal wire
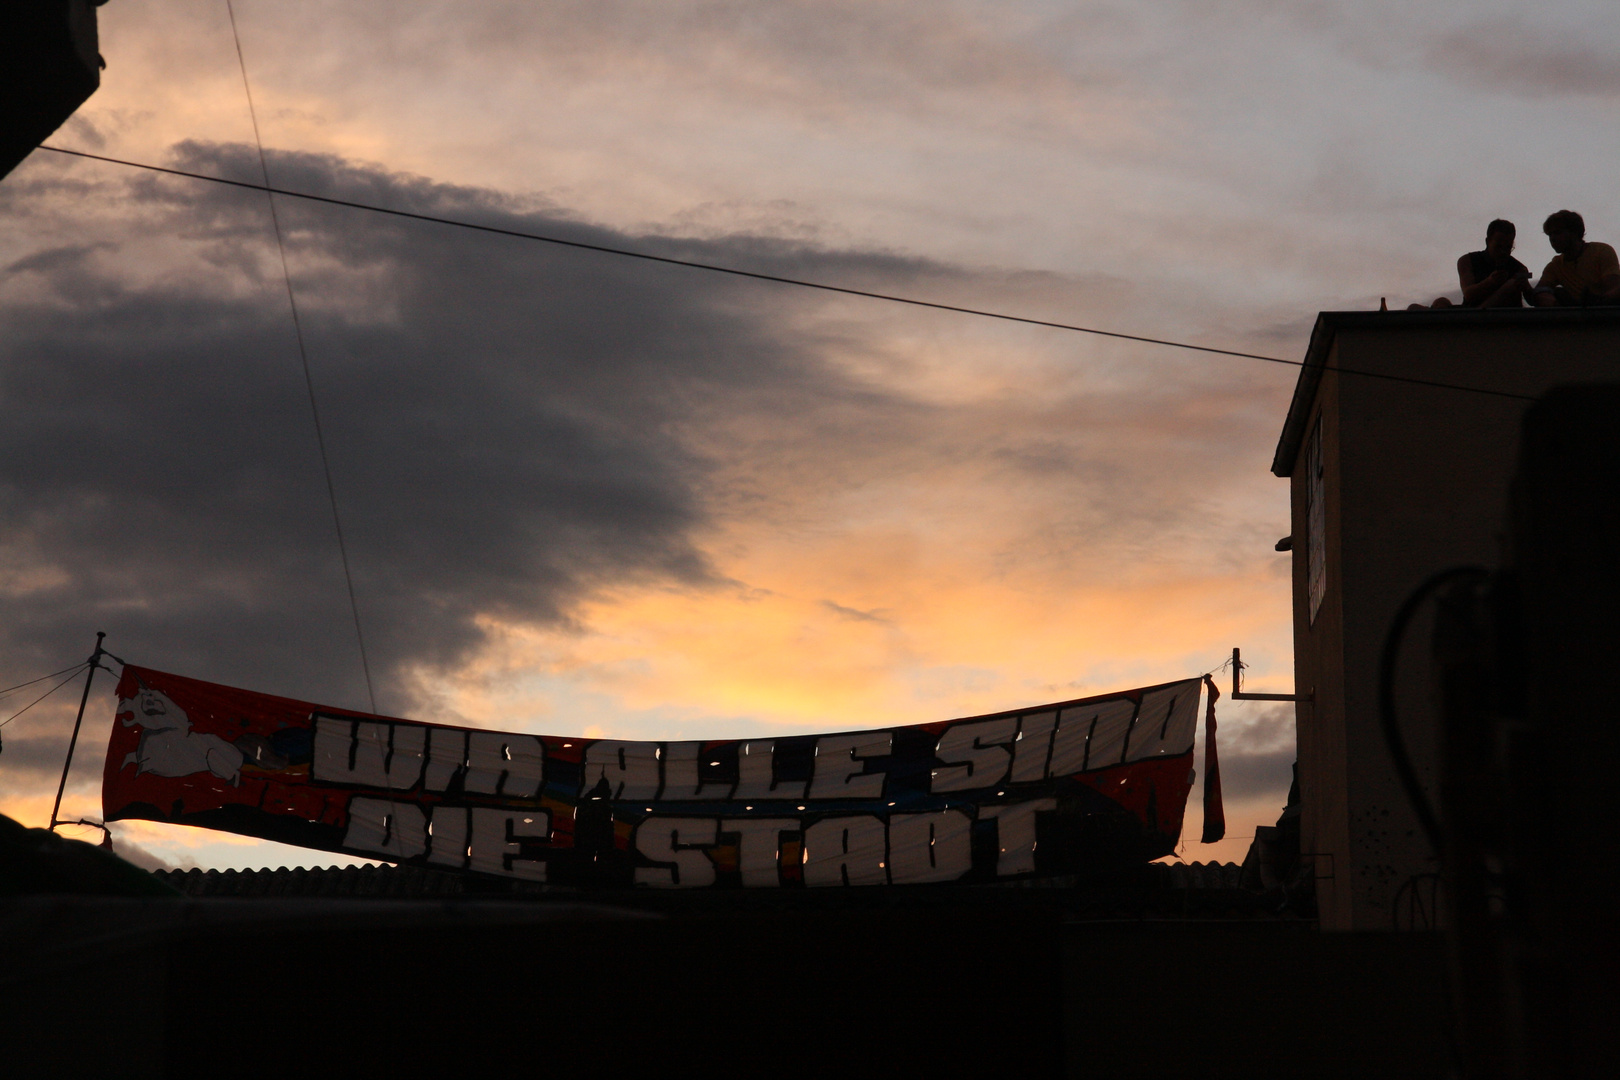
column 303, row 356
column 73, row 673
column 718, row 268
column 8, row 691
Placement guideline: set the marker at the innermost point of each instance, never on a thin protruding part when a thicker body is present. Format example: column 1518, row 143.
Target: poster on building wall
column 1070, row 788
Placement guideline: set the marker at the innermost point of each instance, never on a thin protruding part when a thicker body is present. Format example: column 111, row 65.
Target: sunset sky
column 590, row 495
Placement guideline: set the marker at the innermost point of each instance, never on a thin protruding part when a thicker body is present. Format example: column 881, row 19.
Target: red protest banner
column 1068, row 788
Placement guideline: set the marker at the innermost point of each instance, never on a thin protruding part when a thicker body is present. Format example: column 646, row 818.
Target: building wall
column 1416, row 480
column 1319, row 668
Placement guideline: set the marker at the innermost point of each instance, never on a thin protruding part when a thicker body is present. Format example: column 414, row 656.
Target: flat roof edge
column 1328, row 323
column 1310, row 377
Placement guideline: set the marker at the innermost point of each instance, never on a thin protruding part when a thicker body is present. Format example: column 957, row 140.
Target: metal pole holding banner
column 1237, row 685
column 95, row 662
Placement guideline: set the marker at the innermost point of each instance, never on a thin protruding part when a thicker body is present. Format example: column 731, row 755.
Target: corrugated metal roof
column 1154, row 891
column 369, row 882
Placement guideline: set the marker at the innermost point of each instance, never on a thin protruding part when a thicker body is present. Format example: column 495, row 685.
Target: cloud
column 852, row 614
column 503, row 421
column 821, row 60
column 511, row 426
column 1258, row 730
column 1512, row 56
column 32, row 759
column 55, row 262
column 132, row 852
column 1258, row 776
column 1257, row 753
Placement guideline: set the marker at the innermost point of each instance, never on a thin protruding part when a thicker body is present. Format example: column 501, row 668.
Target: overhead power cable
column 696, row 264
column 303, row 356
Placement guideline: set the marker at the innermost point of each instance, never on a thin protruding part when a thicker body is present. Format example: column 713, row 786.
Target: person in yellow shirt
column 1583, row 271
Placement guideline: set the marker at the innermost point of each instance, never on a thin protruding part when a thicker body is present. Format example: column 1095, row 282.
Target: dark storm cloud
column 510, row 425
column 32, row 760
column 1257, row 753
column 62, row 260
column 1254, row 776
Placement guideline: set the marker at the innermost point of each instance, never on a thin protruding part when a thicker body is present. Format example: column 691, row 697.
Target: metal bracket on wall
column 1237, row 685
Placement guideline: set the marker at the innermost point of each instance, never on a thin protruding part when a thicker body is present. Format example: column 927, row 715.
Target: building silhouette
column 1399, row 446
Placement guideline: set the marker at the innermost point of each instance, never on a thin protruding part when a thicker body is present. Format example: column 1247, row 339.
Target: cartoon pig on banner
column 169, row 747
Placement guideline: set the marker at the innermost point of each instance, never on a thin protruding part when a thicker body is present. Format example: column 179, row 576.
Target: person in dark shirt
column 1492, row 277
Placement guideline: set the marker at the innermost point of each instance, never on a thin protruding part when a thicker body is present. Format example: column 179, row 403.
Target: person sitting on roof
column 1583, row 272
column 1492, row 277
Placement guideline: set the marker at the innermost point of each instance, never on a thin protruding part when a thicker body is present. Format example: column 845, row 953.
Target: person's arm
column 1483, row 291
column 1526, row 290
column 1509, row 293
column 1474, row 292
column 1543, row 295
